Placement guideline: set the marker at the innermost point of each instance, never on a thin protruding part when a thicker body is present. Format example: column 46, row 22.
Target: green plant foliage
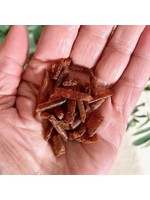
column 136, row 109
column 4, row 29
column 142, row 140
column 147, row 88
column 32, row 43
column 3, row 32
column 34, row 34
column 135, row 121
column 142, row 131
column 147, row 120
column 140, row 121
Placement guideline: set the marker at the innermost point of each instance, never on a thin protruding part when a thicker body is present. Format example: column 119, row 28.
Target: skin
column 122, row 63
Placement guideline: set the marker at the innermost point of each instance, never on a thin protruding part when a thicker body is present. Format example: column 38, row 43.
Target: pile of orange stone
column 69, row 108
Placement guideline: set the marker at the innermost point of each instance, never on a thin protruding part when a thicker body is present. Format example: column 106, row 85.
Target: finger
column 89, row 44
column 13, row 53
column 135, row 77
column 117, row 53
column 55, row 43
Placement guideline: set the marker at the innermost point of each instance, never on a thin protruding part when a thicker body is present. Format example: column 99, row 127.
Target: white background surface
column 133, row 160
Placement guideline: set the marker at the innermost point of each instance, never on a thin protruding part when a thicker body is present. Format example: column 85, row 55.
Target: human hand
column 123, row 63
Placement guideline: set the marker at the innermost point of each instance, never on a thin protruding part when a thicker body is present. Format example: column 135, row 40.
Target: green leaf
column 142, row 140
column 4, row 29
column 134, row 110
column 128, row 126
column 32, row 27
column 37, row 33
column 3, row 32
column 147, row 88
column 142, row 131
column 148, row 119
column 1, row 39
column 32, row 43
column 132, row 123
column 142, row 104
column 141, row 116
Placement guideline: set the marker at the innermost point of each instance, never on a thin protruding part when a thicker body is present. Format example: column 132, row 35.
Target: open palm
column 122, row 63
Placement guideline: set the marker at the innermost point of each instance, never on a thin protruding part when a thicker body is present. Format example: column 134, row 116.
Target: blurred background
column 134, row 154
